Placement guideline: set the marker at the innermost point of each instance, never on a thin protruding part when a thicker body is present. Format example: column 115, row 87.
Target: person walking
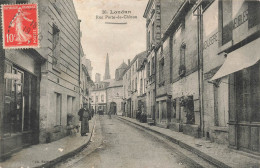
column 109, row 114
column 84, row 116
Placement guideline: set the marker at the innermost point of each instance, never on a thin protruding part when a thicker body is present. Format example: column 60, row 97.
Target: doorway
column 113, row 108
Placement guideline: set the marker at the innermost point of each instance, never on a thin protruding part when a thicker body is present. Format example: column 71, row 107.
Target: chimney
column 128, row 62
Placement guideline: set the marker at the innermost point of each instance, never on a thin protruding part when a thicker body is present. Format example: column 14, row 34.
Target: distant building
column 98, row 97
column 107, row 95
column 97, row 77
column 107, row 70
column 88, row 65
column 133, row 85
column 115, row 91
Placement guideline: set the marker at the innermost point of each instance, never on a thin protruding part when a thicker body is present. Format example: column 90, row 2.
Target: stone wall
column 115, row 94
column 60, row 73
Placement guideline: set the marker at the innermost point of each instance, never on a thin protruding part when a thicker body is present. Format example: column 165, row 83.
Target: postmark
column 20, row 26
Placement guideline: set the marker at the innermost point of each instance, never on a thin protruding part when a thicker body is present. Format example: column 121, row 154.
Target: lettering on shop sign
column 210, row 41
column 240, row 19
column 12, row 76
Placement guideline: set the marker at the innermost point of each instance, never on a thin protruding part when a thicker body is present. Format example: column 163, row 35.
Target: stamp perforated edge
column 38, row 27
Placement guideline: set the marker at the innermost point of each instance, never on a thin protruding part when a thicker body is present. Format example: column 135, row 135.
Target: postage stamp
column 20, row 26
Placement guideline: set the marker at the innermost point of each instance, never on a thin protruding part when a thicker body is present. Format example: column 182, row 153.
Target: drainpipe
column 155, row 84
column 79, row 64
column 200, row 68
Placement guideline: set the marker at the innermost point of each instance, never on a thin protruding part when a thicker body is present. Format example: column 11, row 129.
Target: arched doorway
column 113, row 108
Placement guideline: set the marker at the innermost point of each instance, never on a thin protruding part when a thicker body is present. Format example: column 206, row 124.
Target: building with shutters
column 231, row 72
column 40, row 86
column 60, row 74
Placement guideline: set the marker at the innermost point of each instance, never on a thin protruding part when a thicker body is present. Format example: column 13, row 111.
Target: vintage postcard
column 129, row 83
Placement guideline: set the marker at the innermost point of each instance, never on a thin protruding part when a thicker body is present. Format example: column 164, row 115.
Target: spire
column 107, row 73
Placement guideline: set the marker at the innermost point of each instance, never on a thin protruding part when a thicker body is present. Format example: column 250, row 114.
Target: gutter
column 79, row 63
column 200, row 67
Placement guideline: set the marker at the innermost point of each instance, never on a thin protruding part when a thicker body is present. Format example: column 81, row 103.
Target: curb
column 53, row 162
column 184, row 145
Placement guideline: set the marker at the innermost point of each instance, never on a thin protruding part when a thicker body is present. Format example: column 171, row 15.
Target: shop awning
column 239, row 59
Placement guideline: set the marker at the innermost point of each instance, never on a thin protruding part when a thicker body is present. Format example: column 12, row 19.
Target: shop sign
column 12, row 76
column 240, row 19
column 210, row 41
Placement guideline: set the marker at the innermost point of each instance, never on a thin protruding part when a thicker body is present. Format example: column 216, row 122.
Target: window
column 136, row 83
column 221, row 103
column 102, row 98
column 153, row 31
column 20, row 105
column 144, row 85
column 227, row 24
column 182, row 68
column 58, row 109
column 253, row 13
column 153, row 65
column 148, row 41
column 69, row 104
column 161, row 71
column 133, row 85
column 96, row 98
column 148, row 69
column 247, row 94
column 182, row 54
column 141, row 86
column 56, row 48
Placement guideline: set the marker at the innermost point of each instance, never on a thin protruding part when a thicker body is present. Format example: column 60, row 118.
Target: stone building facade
column 60, row 74
column 115, row 91
column 132, row 79
column 99, row 97
column 158, row 15
column 46, row 79
column 107, row 95
column 206, row 70
column 183, row 82
column 231, row 72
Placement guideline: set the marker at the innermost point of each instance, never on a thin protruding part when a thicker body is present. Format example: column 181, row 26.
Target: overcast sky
column 120, row 41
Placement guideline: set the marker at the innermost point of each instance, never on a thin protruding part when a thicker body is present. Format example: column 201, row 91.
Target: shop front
column 242, row 66
column 21, row 100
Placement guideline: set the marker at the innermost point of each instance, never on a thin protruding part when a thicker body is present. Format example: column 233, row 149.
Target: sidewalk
column 217, row 154
column 46, row 155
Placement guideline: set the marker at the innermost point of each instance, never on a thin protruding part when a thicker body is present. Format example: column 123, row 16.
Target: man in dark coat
column 84, row 116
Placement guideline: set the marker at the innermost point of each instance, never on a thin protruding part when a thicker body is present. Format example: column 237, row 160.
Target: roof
column 141, row 59
column 148, row 6
column 115, row 83
column 122, row 66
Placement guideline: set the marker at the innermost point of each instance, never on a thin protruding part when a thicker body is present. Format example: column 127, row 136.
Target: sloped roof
column 122, row 66
column 115, row 83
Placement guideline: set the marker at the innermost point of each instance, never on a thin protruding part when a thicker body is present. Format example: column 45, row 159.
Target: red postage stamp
column 20, row 26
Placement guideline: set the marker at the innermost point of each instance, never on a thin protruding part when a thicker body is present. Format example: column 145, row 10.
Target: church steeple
column 107, row 72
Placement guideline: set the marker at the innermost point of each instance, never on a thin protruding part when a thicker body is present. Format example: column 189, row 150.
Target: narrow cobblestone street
column 116, row 144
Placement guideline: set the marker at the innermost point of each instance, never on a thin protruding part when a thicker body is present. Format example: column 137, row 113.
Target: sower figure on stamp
column 17, row 22
column 84, row 115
